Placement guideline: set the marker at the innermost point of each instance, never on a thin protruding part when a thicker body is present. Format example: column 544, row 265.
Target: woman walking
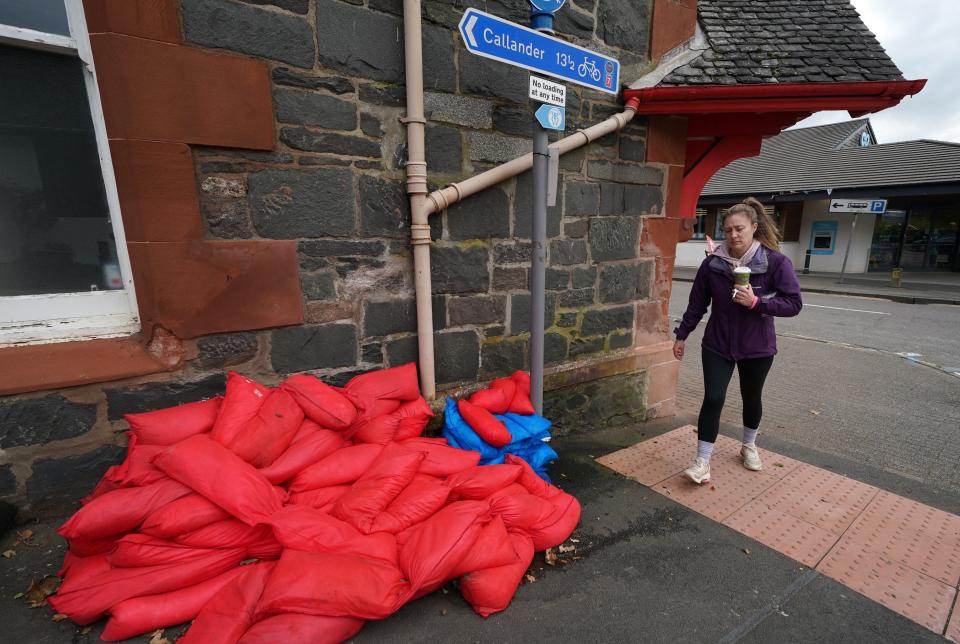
column 740, row 330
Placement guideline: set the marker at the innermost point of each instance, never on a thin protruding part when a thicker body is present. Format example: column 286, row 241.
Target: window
column 700, row 230
column 64, row 270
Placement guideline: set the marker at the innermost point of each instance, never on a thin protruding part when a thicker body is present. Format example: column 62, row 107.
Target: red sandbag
column 307, row 427
column 229, row 613
column 318, row 583
column 421, row 499
column 490, row 591
column 132, row 617
column 302, row 453
column 513, row 488
column 309, row 629
column 77, row 571
column 265, row 436
column 414, row 416
column 396, row 383
column 495, row 400
column 323, row 404
column 378, row 486
column 343, row 466
column 136, row 468
column 482, row 481
column 522, row 511
column 186, row 514
column 320, row 498
column 88, row 602
column 92, row 547
column 120, row 511
column 492, row 549
column 142, row 550
column 229, row 533
column 521, row 404
column 491, row 430
column 173, row 424
column 215, row 472
column 380, row 430
column 430, row 551
column 103, row 486
column 530, row 479
column 559, row 525
column 441, row 459
column 241, row 403
column 303, row 528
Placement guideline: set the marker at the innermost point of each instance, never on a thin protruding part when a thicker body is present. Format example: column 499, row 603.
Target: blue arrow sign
column 549, row 6
column 492, row 37
column 552, row 117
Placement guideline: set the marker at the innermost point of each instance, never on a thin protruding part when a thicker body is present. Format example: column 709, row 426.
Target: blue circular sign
column 548, row 6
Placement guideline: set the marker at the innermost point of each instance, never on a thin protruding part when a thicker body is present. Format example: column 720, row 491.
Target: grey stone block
column 582, row 347
column 388, row 317
column 457, row 355
column 568, row 251
column 554, row 348
column 459, row 110
column 477, row 310
column 523, row 210
column 502, row 358
column 444, row 150
column 402, row 351
column 520, row 312
column 580, row 199
column 624, row 24
column 621, row 340
column 8, row 481
column 577, row 298
column 517, row 121
column 308, row 108
column 372, row 353
column 380, row 94
column 56, row 484
column 613, row 238
column 220, row 23
column 384, row 208
column 483, row 215
column 509, row 279
column 619, row 283
column 456, row 270
column 319, row 286
column 621, row 199
column 322, row 346
column 512, row 253
column 42, row 420
column 633, row 149
column 300, row 138
column 567, row 320
column 290, row 78
column 290, row 204
column 575, row 23
column 624, row 173
column 584, row 277
column 556, row 278
column 225, row 349
column 371, row 125
column 494, row 148
column 576, row 229
column 485, row 77
column 297, row 6
column 603, row 321
column 158, row 395
column 337, row 248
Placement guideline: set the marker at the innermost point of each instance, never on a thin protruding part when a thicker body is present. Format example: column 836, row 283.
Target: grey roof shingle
column 784, row 41
column 818, row 158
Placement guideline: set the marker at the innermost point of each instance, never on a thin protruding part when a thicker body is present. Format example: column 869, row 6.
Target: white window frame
column 59, row 317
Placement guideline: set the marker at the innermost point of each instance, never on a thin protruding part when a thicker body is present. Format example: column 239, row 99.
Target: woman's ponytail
column 767, row 232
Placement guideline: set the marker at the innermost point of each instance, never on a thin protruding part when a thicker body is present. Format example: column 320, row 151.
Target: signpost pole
column 846, row 253
column 541, row 156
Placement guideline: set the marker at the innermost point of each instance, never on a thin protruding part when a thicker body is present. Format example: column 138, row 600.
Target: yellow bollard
column 895, row 276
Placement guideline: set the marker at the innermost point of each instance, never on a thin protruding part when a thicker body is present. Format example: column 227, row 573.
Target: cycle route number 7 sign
column 492, row 37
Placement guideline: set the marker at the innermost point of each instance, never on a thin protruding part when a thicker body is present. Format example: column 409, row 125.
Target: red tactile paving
column 916, row 535
column 901, row 589
column 900, row 553
column 794, row 537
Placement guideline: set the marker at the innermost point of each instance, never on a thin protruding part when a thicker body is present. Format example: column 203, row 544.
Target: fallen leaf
column 530, row 578
column 577, row 558
column 713, row 487
column 814, row 412
column 746, row 551
column 157, row 638
column 574, row 541
column 59, row 617
column 86, row 630
column 566, row 549
column 25, row 534
column 18, row 595
column 38, row 591
column 7, row 554
column 778, row 464
column 550, row 557
column 443, row 612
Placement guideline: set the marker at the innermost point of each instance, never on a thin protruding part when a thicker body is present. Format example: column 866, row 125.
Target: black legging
column 717, row 372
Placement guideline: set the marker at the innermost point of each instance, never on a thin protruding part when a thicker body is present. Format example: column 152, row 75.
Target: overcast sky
column 923, row 39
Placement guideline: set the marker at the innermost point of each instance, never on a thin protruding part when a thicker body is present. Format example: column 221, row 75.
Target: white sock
column 750, row 435
column 704, row 450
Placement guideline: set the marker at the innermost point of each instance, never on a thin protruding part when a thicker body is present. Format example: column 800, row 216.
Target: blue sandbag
column 529, row 434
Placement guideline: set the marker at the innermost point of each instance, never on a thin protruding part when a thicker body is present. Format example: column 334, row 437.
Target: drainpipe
column 417, row 189
column 422, row 205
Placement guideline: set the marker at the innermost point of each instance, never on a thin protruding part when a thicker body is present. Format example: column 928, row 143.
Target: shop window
column 64, row 270
column 700, row 229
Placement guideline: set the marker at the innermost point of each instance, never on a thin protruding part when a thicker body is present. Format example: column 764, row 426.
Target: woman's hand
column 678, row 349
column 743, row 295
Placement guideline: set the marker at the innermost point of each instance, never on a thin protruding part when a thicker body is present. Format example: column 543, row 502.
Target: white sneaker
column 751, row 457
column 699, row 472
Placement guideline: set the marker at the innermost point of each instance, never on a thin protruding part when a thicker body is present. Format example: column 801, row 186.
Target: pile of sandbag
column 298, row 512
column 498, row 421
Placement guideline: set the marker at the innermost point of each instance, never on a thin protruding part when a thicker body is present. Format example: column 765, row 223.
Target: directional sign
column 858, row 205
column 551, row 117
column 550, row 6
column 505, row 41
column 544, row 91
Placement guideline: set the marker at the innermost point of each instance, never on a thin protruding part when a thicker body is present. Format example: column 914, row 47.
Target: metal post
column 846, row 253
column 541, row 159
column 806, row 262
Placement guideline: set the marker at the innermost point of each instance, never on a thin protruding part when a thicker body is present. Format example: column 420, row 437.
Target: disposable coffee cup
column 741, row 275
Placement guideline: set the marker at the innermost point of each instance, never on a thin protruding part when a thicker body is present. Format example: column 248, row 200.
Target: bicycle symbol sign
column 492, row 37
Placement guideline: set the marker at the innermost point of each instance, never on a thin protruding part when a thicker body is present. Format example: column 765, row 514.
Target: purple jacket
column 734, row 331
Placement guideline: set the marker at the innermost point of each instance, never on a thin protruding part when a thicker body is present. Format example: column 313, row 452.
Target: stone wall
column 334, row 183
